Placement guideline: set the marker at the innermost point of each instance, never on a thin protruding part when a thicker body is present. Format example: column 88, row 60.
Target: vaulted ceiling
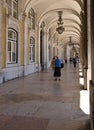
column 46, row 10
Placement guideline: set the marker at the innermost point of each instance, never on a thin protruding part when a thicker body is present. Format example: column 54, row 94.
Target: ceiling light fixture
column 71, row 44
column 60, row 27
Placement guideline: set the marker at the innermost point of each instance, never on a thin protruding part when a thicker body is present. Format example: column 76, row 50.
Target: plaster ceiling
column 46, row 10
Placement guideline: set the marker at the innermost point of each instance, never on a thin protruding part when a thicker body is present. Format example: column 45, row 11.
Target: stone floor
column 37, row 102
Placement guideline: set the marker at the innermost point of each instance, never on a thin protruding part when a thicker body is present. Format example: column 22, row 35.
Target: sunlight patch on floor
column 81, row 80
column 84, row 101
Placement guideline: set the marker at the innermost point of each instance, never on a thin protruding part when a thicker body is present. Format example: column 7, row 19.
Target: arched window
column 32, row 18
column 12, row 46
column 12, row 8
column 32, row 50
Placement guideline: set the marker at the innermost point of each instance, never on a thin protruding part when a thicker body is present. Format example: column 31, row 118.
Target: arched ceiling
column 46, row 10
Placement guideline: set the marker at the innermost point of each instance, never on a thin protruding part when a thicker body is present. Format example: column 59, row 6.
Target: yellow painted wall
column 3, row 37
column 21, row 42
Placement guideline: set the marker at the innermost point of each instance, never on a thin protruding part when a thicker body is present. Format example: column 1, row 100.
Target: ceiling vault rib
column 71, row 16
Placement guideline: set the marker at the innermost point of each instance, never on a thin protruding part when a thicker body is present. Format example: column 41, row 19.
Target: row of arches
column 29, row 38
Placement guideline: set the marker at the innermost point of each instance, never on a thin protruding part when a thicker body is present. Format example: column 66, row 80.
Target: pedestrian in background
column 53, row 63
column 70, row 60
column 57, row 71
column 74, row 62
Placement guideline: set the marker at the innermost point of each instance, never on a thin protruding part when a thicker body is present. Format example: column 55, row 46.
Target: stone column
column 1, row 2
column 21, row 41
column 25, row 42
column 38, row 35
column 48, row 49
column 92, row 104
column 88, row 44
column 92, row 65
column 37, row 45
column 51, row 51
column 81, row 49
column 84, row 43
column 65, row 52
column 45, row 47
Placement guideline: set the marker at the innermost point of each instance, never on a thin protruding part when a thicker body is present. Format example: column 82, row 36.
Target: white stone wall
column 28, row 69
column 13, row 71
column 17, row 71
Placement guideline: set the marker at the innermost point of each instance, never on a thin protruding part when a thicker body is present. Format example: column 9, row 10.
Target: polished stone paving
column 37, row 102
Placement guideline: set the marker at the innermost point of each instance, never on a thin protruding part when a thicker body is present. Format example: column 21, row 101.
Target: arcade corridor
column 32, row 32
column 37, row 102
